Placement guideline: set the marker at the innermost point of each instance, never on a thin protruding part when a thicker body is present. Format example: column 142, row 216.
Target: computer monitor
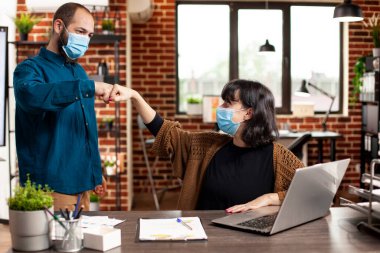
column 3, row 80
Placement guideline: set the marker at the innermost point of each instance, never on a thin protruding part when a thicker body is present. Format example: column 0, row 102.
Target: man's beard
column 63, row 38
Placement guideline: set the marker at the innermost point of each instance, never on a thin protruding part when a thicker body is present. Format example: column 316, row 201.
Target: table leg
column 320, row 150
column 332, row 150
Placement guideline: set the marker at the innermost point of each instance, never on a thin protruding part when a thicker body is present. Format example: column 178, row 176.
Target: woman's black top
column 234, row 176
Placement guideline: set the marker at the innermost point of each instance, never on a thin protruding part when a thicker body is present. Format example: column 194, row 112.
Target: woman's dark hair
column 261, row 129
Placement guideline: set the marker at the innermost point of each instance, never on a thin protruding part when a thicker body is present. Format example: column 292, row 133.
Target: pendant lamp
column 348, row 12
column 267, row 47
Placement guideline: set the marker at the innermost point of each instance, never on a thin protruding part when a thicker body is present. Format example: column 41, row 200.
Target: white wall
column 7, row 12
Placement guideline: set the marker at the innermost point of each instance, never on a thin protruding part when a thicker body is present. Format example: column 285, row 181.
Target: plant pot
column 194, row 109
column 30, row 230
column 107, row 32
column 94, row 206
column 376, row 52
column 24, row 36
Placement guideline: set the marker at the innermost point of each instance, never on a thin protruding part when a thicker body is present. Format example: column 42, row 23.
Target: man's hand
column 270, row 199
column 121, row 93
column 103, row 90
column 100, row 190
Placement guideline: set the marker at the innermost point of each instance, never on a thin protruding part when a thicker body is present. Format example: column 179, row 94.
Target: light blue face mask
column 77, row 45
column 224, row 120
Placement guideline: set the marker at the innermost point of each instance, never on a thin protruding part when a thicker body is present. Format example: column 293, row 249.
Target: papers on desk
column 171, row 229
column 98, row 221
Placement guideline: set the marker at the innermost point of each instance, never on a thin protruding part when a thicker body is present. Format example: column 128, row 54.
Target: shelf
column 96, row 39
column 362, row 207
column 113, row 131
column 366, row 178
column 364, row 193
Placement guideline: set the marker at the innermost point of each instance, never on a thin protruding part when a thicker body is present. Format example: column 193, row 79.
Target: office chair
column 148, row 142
column 296, row 145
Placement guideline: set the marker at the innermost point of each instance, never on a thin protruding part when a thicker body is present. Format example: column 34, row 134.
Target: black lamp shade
column 267, row 47
column 348, row 12
column 303, row 91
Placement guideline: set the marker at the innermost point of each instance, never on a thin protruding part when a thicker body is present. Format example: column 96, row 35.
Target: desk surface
column 336, row 232
column 314, row 134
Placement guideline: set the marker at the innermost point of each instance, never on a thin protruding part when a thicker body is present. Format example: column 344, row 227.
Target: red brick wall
column 153, row 75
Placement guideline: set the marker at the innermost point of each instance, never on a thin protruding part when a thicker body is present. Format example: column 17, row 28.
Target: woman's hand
column 269, row 199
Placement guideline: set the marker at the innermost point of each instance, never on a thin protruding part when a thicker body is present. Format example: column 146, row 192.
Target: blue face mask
column 76, row 46
column 224, row 120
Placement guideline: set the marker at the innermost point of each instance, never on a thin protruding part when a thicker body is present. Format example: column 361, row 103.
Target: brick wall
column 153, row 75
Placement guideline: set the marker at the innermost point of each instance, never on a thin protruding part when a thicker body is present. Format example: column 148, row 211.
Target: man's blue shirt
column 56, row 129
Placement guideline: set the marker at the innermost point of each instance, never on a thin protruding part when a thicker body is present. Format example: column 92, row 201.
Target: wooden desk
column 319, row 136
column 336, row 232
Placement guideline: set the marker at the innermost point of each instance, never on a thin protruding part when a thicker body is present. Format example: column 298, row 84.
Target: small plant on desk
column 28, row 219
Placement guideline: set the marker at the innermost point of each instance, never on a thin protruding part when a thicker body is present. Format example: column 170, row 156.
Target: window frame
column 286, row 59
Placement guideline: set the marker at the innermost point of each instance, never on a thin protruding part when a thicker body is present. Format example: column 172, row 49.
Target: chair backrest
column 297, row 144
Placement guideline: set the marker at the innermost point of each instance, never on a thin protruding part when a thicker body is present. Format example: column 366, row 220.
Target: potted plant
column 374, row 25
column 25, row 23
column 108, row 26
column 357, row 81
column 28, row 220
column 107, row 123
column 94, row 202
column 194, row 106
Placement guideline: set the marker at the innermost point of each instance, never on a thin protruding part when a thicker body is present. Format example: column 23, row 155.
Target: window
column 214, row 48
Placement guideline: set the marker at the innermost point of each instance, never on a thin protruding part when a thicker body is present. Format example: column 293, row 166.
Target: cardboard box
column 303, row 109
column 101, row 238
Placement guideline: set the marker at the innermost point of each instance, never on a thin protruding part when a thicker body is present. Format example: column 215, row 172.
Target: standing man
column 56, row 129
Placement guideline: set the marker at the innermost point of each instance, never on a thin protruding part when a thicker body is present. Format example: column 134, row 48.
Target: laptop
column 309, row 197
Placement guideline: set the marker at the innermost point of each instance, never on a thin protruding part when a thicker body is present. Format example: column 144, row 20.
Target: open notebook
column 171, row 229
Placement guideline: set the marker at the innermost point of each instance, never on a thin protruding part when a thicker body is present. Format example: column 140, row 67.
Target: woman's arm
column 121, row 93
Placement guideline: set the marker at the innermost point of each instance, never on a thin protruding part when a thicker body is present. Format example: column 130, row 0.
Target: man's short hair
column 67, row 11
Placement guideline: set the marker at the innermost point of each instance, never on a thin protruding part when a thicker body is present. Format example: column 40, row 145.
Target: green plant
column 108, row 25
column 25, row 22
column 94, row 197
column 30, row 197
column 109, row 163
column 192, row 100
column 374, row 24
column 107, row 120
column 357, row 81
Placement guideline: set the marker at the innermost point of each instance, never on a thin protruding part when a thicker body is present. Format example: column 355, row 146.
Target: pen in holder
column 69, row 239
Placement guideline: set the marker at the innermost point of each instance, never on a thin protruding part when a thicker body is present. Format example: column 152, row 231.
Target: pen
column 62, row 214
column 68, row 213
column 76, row 206
column 55, row 218
column 183, row 223
column 78, row 214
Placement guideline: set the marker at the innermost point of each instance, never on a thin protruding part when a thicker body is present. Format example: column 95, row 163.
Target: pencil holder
column 68, row 235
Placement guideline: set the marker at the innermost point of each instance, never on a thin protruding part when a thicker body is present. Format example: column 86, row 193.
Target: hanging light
column 348, row 12
column 267, row 47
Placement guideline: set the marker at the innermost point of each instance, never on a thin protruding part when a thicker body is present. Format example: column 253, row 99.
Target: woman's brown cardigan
column 191, row 153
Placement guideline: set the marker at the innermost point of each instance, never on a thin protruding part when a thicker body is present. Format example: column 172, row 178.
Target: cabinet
column 114, row 132
column 370, row 130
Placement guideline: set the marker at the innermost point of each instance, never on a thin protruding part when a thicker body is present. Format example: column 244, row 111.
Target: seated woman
column 238, row 171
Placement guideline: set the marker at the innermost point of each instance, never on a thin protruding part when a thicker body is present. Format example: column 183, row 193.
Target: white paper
column 98, row 221
column 170, row 229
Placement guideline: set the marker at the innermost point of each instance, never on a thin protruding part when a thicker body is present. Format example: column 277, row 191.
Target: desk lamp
column 304, row 92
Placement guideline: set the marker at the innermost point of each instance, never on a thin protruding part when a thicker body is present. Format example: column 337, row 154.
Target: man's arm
column 35, row 95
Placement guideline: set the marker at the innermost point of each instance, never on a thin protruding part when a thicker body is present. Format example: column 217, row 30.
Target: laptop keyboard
column 263, row 223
